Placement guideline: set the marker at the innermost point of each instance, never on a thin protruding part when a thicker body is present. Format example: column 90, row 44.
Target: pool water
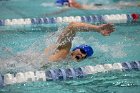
column 23, row 44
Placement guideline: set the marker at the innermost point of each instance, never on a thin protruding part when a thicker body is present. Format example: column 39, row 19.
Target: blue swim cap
column 62, row 2
column 88, row 49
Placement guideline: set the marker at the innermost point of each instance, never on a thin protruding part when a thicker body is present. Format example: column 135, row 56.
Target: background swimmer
column 74, row 4
column 68, row 4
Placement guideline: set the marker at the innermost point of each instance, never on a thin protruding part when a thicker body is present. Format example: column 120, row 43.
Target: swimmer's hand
column 106, row 29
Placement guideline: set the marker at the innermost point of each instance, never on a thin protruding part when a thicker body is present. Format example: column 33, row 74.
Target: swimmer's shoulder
column 59, row 52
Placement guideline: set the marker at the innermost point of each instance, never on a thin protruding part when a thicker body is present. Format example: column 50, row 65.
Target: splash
column 32, row 58
column 46, row 4
column 116, row 51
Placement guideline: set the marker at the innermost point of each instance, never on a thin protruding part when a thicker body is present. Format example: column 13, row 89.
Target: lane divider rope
column 66, row 74
column 113, row 18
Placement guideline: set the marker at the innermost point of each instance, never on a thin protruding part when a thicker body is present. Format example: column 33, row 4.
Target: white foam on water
column 116, row 51
column 78, row 41
column 104, row 48
column 46, row 4
column 30, row 59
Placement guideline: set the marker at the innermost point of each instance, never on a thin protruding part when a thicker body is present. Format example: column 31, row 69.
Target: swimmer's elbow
column 73, row 25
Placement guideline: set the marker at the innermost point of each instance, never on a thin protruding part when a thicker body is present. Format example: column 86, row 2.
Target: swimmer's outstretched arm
column 68, row 34
column 75, row 4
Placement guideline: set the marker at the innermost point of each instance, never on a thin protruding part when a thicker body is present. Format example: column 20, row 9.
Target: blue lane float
column 66, row 74
column 1, row 23
column 1, row 81
column 113, row 18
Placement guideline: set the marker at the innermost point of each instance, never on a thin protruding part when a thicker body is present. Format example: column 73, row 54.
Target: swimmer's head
column 62, row 3
column 81, row 52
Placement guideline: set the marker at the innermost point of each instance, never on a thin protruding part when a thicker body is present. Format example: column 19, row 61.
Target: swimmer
column 64, row 42
column 74, row 4
column 96, row 6
column 68, row 4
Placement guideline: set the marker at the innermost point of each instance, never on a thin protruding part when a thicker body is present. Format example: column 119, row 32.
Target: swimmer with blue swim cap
column 62, row 3
column 64, row 43
column 85, row 51
column 69, row 3
column 74, row 4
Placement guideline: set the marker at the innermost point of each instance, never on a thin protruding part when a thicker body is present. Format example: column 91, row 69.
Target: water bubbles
column 117, row 52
